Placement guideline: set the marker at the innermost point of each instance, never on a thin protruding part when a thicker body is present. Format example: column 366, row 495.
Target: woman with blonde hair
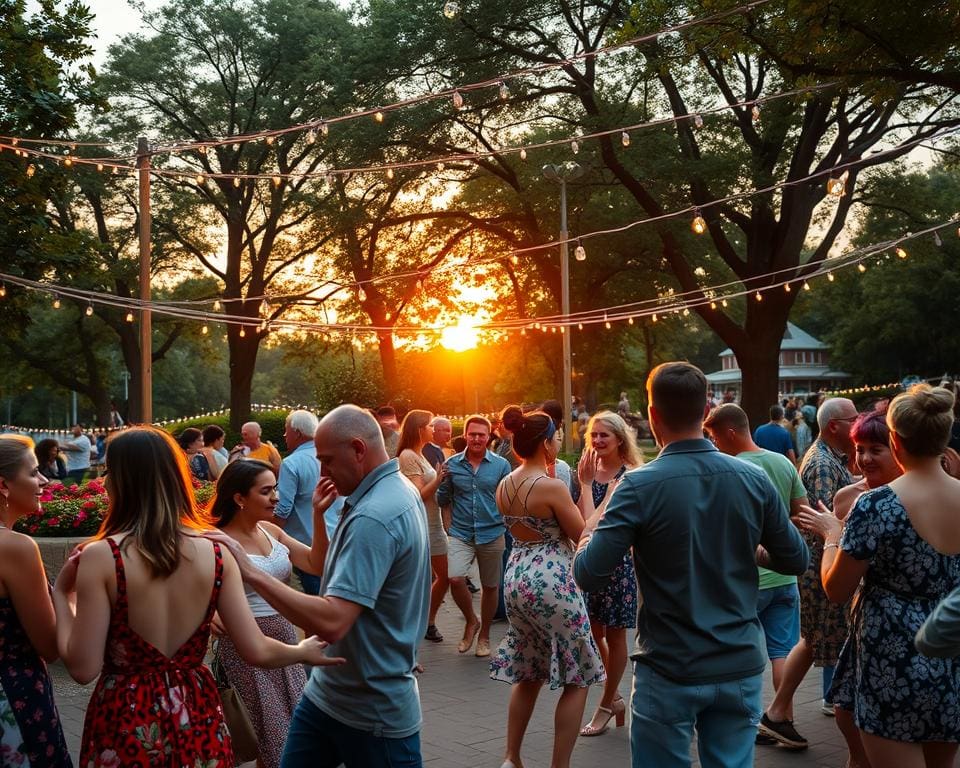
column 611, row 451
column 901, row 541
column 415, row 432
column 134, row 607
column 30, row 731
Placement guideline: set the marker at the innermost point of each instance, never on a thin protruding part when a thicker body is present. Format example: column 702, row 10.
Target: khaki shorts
column 489, row 557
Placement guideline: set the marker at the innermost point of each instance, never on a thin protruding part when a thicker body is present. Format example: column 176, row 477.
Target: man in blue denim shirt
column 694, row 518
column 467, row 498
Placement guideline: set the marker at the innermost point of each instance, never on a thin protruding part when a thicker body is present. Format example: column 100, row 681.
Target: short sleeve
column 365, row 557
column 797, row 491
column 862, row 530
column 409, row 465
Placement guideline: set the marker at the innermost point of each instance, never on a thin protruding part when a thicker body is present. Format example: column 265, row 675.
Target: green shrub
column 271, row 422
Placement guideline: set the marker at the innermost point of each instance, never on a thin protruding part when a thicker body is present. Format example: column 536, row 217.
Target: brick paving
column 465, row 715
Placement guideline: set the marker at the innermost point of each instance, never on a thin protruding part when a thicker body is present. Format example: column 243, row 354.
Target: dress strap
column 121, row 605
column 217, row 581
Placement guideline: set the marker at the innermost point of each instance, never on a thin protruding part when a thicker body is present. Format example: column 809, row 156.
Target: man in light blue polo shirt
column 375, row 596
column 467, row 499
column 299, row 475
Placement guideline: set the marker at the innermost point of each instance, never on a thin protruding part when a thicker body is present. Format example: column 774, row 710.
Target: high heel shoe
column 618, row 710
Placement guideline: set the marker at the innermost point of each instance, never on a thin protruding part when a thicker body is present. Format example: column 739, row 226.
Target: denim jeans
column 311, row 583
column 316, row 740
column 665, row 713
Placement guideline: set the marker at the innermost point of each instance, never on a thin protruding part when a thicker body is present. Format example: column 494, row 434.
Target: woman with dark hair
column 902, row 542
column 191, row 442
column 560, row 469
column 415, row 432
column 30, row 731
column 135, row 607
column 51, row 465
column 549, row 638
column 217, row 455
column 243, row 508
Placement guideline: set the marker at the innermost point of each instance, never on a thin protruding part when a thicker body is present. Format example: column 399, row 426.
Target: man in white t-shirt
column 78, row 455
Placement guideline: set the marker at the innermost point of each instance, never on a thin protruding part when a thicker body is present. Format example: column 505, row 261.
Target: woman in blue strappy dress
column 549, row 638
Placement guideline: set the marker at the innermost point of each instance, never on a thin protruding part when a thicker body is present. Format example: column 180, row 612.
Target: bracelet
column 831, row 545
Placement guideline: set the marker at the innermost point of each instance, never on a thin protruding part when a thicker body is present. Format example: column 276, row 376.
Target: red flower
column 53, row 521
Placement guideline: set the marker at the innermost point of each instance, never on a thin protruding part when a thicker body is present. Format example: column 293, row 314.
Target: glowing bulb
column 216, row 305
column 862, row 267
column 579, row 326
column 311, row 136
column 514, row 259
column 630, row 319
column 31, row 169
column 201, row 179
column 724, row 302
column 699, row 224
column 503, row 91
column 579, row 253
column 625, row 139
column 68, row 161
column 755, row 112
column 441, row 166
column 236, row 182
column 654, row 318
column 378, row 116
column 786, row 287
column 3, row 290
column 713, row 305
column 204, row 330
column 901, row 252
column 242, row 332
column 563, row 329
column 324, row 129
column 270, row 139
column 100, row 167
column 686, row 311
column 574, row 147
column 129, row 317
column 451, row 9
column 277, row 181
column 89, row 310
column 758, row 297
column 523, row 156
column 390, row 173
column 56, row 302
column 605, row 321
column 457, row 100
column 806, row 285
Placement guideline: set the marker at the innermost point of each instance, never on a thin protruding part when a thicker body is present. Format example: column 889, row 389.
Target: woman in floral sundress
column 30, row 732
column 135, row 608
column 549, row 638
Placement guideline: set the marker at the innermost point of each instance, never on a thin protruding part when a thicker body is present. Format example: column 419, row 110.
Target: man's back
column 694, row 518
column 773, row 437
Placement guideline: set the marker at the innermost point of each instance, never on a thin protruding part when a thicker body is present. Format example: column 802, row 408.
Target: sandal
column 433, row 634
column 467, row 643
column 618, row 709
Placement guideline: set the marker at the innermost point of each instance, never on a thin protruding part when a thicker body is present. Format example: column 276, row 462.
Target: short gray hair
column 350, row 421
column 252, row 425
column 437, row 419
column 303, row 422
column 832, row 409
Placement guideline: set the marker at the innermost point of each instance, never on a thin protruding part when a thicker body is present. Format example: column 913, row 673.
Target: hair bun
column 933, row 400
column 512, row 418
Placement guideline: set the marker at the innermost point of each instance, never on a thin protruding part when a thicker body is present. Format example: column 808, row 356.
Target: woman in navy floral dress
column 903, row 541
column 611, row 451
column 30, row 732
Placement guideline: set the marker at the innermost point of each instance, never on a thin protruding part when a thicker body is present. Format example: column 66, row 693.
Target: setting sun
column 462, row 336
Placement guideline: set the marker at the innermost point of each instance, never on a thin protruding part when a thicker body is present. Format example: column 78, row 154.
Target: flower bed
column 76, row 511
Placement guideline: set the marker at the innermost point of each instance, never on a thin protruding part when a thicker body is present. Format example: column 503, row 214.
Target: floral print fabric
column 151, row 710
column 549, row 635
column 616, row 604
column 893, row 690
column 30, row 731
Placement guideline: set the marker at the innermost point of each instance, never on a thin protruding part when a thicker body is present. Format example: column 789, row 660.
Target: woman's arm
column 212, row 466
column 566, row 512
column 840, row 573
column 26, row 583
column 82, row 604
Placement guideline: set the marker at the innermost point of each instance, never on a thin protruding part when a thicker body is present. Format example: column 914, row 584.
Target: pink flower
column 175, row 705
column 81, row 515
column 53, row 521
column 109, row 759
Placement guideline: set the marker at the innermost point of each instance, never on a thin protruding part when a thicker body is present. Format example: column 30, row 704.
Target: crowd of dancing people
column 318, row 575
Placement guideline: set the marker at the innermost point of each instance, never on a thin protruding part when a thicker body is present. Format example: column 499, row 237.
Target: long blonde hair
column 628, row 450
column 151, row 496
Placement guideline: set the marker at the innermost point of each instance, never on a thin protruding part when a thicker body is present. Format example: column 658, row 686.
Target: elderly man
column 695, row 519
column 823, row 626
column 251, row 447
column 439, row 450
column 467, row 499
column 78, row 455
column 375, row 596
column 299, row 475
column 778, row 607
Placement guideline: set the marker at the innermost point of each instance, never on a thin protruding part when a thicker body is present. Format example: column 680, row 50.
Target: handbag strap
column 216, row 666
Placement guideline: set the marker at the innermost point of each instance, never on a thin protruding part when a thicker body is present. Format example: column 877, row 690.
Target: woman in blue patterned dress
column 549, row 638
column 30, row 732
column 611, row 450
column 903, row 541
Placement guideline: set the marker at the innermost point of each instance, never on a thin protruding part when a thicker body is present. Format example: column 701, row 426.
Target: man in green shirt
column 778, row 602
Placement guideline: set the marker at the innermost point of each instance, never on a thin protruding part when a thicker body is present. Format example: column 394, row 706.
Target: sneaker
column 765, row 741
column 827, row 708
column 783, row 732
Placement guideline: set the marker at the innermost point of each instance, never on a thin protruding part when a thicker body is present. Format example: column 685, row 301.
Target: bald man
column 251, row 447
column 372, row 608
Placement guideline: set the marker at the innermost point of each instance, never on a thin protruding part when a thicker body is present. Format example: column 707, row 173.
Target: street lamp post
column 561, row 174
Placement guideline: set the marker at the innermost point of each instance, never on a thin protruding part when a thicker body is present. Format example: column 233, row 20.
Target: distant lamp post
column 563, row 173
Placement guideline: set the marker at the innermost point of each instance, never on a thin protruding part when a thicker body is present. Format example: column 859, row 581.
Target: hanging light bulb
column 100, row 167
column 56, row 301
column 937, row 241
column 390, row 173
column 806, row 285
column 686, row 311
column 277, row 181
column 625, row 139
column 606, row 322
column 786, row 287
column 862, row 267
column 451, row 9
column 755, row 113
column 724, row 302
column 243, row 332
column 901, row 252
column 757, row 296
column 129, row 317
column 563, row 329
column 630, row 319
column 324, row 129
column 698, row 121
column 89, row 310
column 216, row 305
column 654, row 318
column 830, row 276
column 514, row 259
column 574, row 146
column 201, row 179
column 441, row 166
column 3, row 290
column 457, row 100
column 579, row 253
column 31, row 169
column 204, row 330
column 236, row 182
column 503, row 91
column 270, row 139
column 311, row 136
column 699, row 224
column 713, row 305
column 378, row 116
column 579, row 326
column 523, row 156
column 68, row 162
column 838, row 187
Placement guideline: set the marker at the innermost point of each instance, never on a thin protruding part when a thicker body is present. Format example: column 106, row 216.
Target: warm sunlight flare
column 460, row 337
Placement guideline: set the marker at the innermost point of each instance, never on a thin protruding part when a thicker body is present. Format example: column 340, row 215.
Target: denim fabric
column 316, row 740
column 779, row 611
column 472, row 495
column 665, row 714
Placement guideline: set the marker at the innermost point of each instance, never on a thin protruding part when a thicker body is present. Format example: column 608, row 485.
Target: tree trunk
column 759, row 357
column 243, row 361
column 130, row 351
column 388, row 361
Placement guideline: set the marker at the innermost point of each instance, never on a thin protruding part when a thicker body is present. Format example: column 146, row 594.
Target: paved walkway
column 465, row 716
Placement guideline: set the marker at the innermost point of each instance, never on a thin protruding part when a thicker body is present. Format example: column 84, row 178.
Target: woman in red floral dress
column 136, row 608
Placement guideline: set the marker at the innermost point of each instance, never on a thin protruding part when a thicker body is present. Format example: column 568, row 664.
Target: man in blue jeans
column 372, row 608
column 699, row 522
column 778, row 606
